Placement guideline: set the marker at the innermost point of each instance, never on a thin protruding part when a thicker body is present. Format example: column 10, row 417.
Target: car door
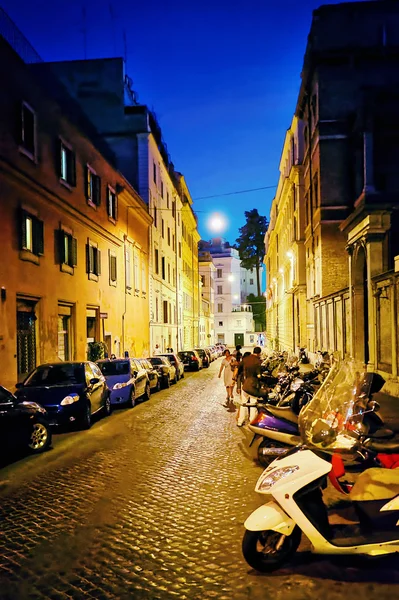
column 12, row 426
column 94, row 390
column 141, row 377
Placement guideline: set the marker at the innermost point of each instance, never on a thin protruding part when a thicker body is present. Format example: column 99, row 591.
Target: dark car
column 23, row 425
column 190, row 359
column 126, row 378
column 71, row 392
column 177, row 363
column 204, row 355
column 166, row 370
column 153, row 375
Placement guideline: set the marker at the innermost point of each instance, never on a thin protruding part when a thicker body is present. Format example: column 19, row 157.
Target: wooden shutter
column 112, row 263
column 38, row 236
column 97, row 190
column 98, row 262
column 89, row 260
column 87, row 180
column 116, row 207
column 128, row 275
column 60, row 237
column 22, row 229
column 74, row 252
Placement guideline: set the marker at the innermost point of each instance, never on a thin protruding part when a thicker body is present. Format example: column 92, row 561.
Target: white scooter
column 331, row 423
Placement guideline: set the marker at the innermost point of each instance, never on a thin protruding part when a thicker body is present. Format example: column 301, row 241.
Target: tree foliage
column 258, row 304
column 250, row 243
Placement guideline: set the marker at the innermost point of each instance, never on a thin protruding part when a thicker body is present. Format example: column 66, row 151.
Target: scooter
column 295, row 483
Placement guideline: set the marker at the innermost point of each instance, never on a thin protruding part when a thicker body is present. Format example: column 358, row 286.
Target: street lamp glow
column 281, row 271
column 230, row 278
column 289, row 254
column 217, row 223
column 235, row 296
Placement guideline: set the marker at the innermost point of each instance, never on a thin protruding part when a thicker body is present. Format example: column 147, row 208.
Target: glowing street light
column 230, row 278
column 217, row 223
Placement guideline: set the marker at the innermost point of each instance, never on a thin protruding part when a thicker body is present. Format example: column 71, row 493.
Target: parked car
column 127, row 379
column 23, row 425
column 213, row 352
column 165, row 369
column 69, row 391
column 153, row 375
column 177, row 363
column 206, row 361
column 190, row 359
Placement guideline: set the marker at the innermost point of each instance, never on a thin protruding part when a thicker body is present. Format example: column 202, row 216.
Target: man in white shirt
column 157, row 350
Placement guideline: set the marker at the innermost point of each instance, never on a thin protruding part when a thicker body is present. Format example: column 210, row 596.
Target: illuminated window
column 112, row 204
column 93, row 260
column 32, row 234
column 67, row 164
column 93, row 187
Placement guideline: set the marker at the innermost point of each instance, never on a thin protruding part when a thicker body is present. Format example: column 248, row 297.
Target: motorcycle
column 333, row 422
column 303, row 356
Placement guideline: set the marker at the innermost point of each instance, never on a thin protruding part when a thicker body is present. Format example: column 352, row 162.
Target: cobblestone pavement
column 150, row 504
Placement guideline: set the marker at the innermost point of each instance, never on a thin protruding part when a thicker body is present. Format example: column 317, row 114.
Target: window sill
column 92, row 204
column 66, row 184
column 66, row 269
column 112, row 220
column 28, row 256
column 28, row 154
column 112, row 283
column 93, row 277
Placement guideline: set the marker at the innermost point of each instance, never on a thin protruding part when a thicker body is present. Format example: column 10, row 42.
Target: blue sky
column 222, row 77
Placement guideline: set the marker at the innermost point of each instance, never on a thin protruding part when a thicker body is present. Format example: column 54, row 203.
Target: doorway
column 26, row 337
column 239, row 339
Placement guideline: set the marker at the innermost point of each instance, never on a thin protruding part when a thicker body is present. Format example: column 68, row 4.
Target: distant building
column 248, row 282
column 66, row 271
column 207, row 289
column 233, row 320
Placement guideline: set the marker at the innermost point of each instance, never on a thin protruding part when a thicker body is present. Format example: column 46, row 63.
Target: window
column 179, row 249
column 238, row 323
column 165, row 311
column 156, row 261
column 163, row 267
column 220, row 307
column 173, row 242
column 156, row 309
column 220, row 323
column 112, row 204
column 154, row 171
column 316, row 190
column 168, row 273
column 93, row 187
column 67, row 246
column 143, row 277
column 67, row 164
column 251, row 282
column 28, row 130
column 178, row 219
column 93, row 260
column 174, row 209
column 155, row 216
column 203, row 280
column 112, row 268
column 219, row 273
column 220, row 289
column 32, row 234
column 168, row 236
column 136, row 271
column 163, row 228
column 167, row 199
column 161, row 188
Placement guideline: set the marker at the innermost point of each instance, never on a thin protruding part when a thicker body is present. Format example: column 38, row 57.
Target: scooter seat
column 283, row 413
column 376, row 484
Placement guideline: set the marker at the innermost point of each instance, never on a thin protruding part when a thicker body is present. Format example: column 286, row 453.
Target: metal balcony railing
column 10, row 32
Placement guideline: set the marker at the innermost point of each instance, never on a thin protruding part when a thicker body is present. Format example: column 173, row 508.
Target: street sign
column 103, row 315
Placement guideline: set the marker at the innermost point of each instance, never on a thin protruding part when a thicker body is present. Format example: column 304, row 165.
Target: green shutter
column 88, row 257
column 74, row 252
column 22, row 229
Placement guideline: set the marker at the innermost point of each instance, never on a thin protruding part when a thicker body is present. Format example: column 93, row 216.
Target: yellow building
column 286, row 325
column 189, row 277
column 75, row 234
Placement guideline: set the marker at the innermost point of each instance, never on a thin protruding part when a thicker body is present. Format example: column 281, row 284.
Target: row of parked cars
column 65, row 393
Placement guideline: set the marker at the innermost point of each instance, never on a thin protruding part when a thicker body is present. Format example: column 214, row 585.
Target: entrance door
column 238, row 339
column 26, row 338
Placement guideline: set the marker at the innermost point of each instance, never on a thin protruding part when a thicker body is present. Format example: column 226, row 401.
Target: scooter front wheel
column 267, row 551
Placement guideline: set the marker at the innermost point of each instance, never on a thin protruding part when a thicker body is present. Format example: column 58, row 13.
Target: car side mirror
column 94, row 380
column 19, row 386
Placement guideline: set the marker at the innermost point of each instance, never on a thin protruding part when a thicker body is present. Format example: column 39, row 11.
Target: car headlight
column 119, row 386
column 269, row 479
column 70, row 399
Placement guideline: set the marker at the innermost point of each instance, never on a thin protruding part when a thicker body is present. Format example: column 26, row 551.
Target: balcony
column 243, row 308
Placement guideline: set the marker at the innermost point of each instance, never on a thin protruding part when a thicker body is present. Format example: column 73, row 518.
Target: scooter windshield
column 332, row 420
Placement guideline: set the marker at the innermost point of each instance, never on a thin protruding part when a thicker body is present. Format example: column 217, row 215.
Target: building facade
column 207, row 289
column 134, row 135
column 66, row 272
column 233, row 320
column 347, row 102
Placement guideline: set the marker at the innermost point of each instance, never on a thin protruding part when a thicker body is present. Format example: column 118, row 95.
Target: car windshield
column 185, row 354
column 170, row 357
column 5, row 395
column 59, row 374
column 120, row 367
column 157, row 361
column 200, row 352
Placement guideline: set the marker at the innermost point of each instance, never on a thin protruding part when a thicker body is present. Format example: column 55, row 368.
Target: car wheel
column 107, row 406
column 147, row 393
column 40, row 438
column 85, row 421
column 167, row 382
column 158, row 386
column 177, row 376
column 131, row 403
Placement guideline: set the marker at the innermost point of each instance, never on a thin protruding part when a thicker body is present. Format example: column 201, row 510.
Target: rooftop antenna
column 84, row 31
column 112, row 14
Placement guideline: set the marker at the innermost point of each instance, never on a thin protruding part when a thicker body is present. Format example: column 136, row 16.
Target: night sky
column 222, row 77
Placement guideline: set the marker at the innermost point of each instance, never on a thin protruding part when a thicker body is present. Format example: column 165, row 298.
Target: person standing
column 157, row 350
column 227, row 366
column 250, row 386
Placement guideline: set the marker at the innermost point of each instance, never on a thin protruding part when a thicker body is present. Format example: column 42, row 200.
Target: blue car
column 71, row 392
column 127, row 380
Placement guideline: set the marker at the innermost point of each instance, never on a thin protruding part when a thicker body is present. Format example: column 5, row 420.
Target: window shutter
column 60, row 236
column 88, row 259
column 98, row 262
column 38, row 236
column 109, row 200
column 87, row 180
column 116, row 208
column 113, row 267
column 74, row 252
column 72, row 168
column 97, row 188
column 22, row 229
column 128, row 271
column 58, row 157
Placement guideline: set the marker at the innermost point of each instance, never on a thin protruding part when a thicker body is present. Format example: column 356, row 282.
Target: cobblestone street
column 150, row 504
